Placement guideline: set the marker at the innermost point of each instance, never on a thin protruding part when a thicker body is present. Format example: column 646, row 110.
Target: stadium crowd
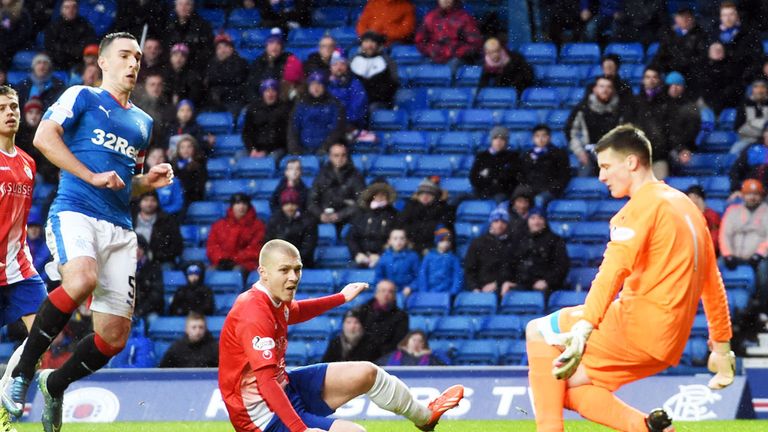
column 313, row 119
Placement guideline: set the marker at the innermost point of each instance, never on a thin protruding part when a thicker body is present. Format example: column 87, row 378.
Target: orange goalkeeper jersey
column 662, row 254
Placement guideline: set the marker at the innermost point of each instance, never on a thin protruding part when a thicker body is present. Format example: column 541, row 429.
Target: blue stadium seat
column 681, row 183
column 410, row 99
column 428, row 303
column 15, row 77
column 22, row 60
column 520, row 119
column 330, row 17
column 344, row 36
column 717, row 187
column 263, row 209
column 574, row 97
column 219, row 168
column 406, row 142
column 540, row 97
column 203, row 231
column 215, row 122
column 428, row 165
column 515, row 354
column 556, row 119
column 316, row 328
column 456, row 185
column 539, row 52
column 265, row 188
column 727, row 119
column 594, row 254
column 700, row 328
column 476, row 119
column 424, row 323
column 326, row 235
column 561, row 299
column 249, row 55
column 317, row 281
column 474, row 303
column 223, row 281
column 581, row 277
column 585, row 188
column 357, row 302
column 167, row 328
column 477, row 352
column 453, row 327
column 430, row 120
column 429, row 75
column 703, row 164
column 650, row 53
column 222, row 190
column 604, row 210
column 310, row 164
column 249, row 167
column 215, row 17
column 465, row 165
column 6, row 350
column 389, row 166
column 738, row 299
column 189, row 235
column 474, row 210
column 522, row 302
column 254, row 38
column 589, row 232
column 173, row 280
column 307, row 37
column 707, row 119
column 227, row 145
column 573, row 210
column 296, row 354
column 468, row 76
column 224, row 302
column 357, row 275
column 244, row 18
column 332, row 257
column 462, row 142
column 405, row 186
column 406, row 55
column 465, row 232
column 362, row 162
column 742, row 277
column 204, row 212
column 456, row 97
column 718, row 141
column 389, row 120
column 500, row 327
column 627, row 52
column 496, row 97
column 194, row 254
column 580, row 53
column 577, row 254
column 564, row 75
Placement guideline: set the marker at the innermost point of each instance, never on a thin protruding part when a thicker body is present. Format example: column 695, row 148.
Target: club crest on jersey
column 285, row 310
column 267, row 354
column 262, row 344
column 28, row 171
column 142, row 129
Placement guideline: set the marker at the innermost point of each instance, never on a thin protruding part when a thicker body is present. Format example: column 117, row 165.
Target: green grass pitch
column 397, row 426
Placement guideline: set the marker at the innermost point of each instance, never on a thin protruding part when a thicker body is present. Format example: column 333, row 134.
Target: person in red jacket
column 236, row 239
column 449, row 34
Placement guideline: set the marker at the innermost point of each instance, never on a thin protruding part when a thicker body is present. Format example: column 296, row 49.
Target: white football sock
column 391, row 394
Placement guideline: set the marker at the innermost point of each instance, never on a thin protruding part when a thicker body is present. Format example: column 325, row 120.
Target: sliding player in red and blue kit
column 262, row 397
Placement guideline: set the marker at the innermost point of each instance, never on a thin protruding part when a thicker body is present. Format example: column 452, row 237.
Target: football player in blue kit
column 98, row 138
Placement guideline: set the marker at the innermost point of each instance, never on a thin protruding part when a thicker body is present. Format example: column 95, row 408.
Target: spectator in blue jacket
column 441, row 269
column 348, row 90
column 139, row 352
column 36, row 241
column 318, row 119
column 398, row 263
column 171, row 197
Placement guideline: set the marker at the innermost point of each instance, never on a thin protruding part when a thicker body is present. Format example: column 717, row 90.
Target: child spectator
column 171, row 197
column 291, row 180
column 197, row 348
column 423, row 213
column 413, row 350
column 546, row 168
column 441, row 269
column 397, row 263
column 189, row 167
column 36, row 242
column 185, row 123
column 195, row 296
column 697, row 195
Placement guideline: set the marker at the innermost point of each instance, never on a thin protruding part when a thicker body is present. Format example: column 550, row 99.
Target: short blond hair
column 275, row 246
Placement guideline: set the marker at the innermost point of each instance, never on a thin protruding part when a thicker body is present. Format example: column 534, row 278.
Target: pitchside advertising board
column 492, row 393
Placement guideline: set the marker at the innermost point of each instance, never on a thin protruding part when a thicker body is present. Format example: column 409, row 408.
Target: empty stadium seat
column 522, row 302
column 430, row 120
column 204, row 212
column 424, row 323
column 704, row 164
column 574, row 210
column 453, row 327
column 310, row 164
column 244, row 18
column 476, row 119
column 429, row 165
column 580, row 278
column 456, row 97
column 194, row 254
column 390, row 166
column 332, row 256
column 167, row 328
column 406, row 142
column 520, row 119
column 357, row 275
column 561, row 299
column 215, row 122
column 428, row 303
column 22, row 60
column 474, row 210
column 405, row 186
column 496, row 97
column 307, row 37
column 627, row 52
column 296, row 354
column 727, row 119
column 742, row 277
column 316, row 328
column 540, row 97
column 718, row 141
column 473, row 303
column 264, row 188
column 589, row 232
column 468, row 76
column 738, row 299
column 222, row 190
column 573, row 97
column 465, row 232
column 477, row 352
column 563, row 75
column 405, row 55
column 173, row 280
column 556, row 119
column 580, row 53
column 681, row 183
column 456, row 142
column 585, row 188
column 500, row 326
column 224, row 281
column 456, row 185
column 249, row 167
column 224, row 303
column 604, row 210
column 700, row 327
column 227, row 145
column 326, row 235
column 539, row 52
column 389, row 120
column 515, row 354
column 426, row 75
column 218, row 168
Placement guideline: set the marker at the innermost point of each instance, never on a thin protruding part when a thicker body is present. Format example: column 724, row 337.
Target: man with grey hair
column 496, row 171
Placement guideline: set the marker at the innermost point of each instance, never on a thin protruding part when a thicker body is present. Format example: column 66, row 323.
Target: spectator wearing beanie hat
column 291, row 179
column 423, row 213
column 395, row 19
column 540, row 262
column 226, row 76
column 487, row 264
column 235, row 241
column 376, row 71
column 683, row 120
column 181, row 80
column 40, row 83
column 349, row 91
column 398, row 263
column 273, row 63
column 195, row 296
column 441, row 268
column 371, row 226
column 317, row 121
column 266, row 123
column 496, row 171
column 293, row 225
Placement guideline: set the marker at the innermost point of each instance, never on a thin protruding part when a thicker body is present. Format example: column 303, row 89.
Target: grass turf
column 397, row 426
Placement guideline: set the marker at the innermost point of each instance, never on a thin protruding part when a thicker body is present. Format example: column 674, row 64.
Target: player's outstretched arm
column 48, row 140
column 304, row 310
column 353, row 290
column 158, row 176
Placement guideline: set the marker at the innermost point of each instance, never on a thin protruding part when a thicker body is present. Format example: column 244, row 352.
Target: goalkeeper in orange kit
column 660, row 260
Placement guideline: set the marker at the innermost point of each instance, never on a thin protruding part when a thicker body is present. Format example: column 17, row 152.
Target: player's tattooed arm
column 158, row 176
column 48, row 140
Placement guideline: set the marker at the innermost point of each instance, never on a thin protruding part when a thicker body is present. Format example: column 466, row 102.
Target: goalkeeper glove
column 564, row 366
column 722, row 362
